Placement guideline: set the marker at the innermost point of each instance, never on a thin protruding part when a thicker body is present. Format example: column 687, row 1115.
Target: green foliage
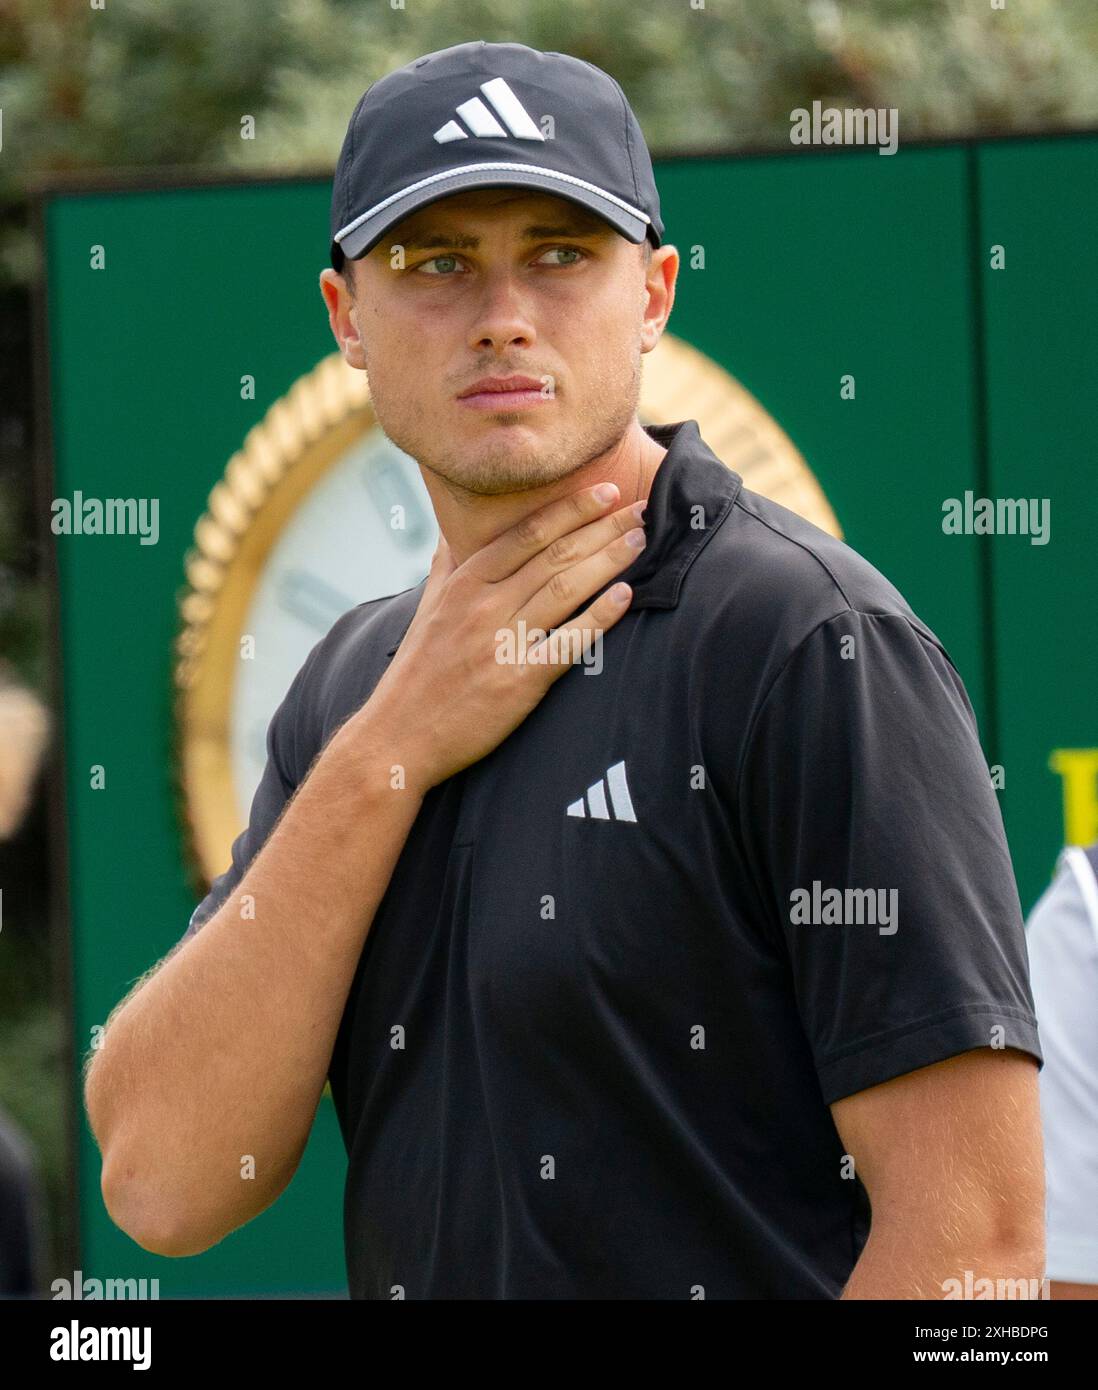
column 22, row 602
column 141, row 84
column 33, row 1082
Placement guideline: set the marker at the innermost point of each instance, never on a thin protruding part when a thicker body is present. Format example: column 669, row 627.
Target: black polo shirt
column 626, row 961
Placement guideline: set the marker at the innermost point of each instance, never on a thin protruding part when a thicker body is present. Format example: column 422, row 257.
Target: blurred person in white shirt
column 1062, row 940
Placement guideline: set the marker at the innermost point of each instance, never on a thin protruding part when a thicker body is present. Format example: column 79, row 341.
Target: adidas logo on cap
column 483, row 123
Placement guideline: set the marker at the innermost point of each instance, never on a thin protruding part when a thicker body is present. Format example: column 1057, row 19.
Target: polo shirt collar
column 692, row 492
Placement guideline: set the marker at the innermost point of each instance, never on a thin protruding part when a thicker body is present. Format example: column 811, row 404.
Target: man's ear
column 337, row 299
column 662, row 272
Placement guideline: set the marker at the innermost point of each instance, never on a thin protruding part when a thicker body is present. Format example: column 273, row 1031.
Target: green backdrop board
column 1040, row 203
column 799, row 271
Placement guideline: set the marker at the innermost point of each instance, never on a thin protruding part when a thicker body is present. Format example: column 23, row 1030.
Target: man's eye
column 434, row 261
column 568, row 251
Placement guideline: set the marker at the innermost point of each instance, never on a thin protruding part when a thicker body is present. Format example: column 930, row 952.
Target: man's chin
column 494, row 471
column 499, row 478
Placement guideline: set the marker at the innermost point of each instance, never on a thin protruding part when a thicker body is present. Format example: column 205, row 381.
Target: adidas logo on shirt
column 595, row 796
column 483, row 123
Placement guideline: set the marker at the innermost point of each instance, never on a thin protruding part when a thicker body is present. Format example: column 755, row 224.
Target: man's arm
column 223, row 1053
column 215, row 1065
column 951, row 1157
column 866, row 773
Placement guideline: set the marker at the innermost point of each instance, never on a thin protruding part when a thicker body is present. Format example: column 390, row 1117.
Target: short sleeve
column 1062, row 935
column 276, row 787
column 877, row 847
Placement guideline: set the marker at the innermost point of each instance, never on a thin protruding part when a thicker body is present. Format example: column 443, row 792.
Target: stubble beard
column 496, row 469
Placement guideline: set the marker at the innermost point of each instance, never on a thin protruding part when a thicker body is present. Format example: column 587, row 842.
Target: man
column 636, row 980
column 1062, row 936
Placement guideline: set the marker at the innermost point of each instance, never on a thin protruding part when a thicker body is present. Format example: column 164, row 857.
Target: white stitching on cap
column 491, row 164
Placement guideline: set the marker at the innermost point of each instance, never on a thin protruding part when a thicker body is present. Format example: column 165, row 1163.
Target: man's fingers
column 565, row 556
column 565, row 646
column 503, row 556
column 564, row 591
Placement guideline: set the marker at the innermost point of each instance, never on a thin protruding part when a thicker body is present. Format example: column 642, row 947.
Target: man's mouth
column 504, row 393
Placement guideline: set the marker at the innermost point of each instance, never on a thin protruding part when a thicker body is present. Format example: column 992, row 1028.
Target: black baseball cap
column 473, row 116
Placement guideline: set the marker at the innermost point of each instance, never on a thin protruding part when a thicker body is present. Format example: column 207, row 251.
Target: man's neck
column 469, row 522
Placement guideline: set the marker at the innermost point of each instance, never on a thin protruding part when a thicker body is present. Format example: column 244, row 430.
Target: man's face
column 497, row 282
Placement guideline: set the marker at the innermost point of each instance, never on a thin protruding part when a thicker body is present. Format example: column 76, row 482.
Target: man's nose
column 502, row 314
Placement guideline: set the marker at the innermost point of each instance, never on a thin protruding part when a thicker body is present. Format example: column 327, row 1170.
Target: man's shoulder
column 794, row 556
column 772, row 567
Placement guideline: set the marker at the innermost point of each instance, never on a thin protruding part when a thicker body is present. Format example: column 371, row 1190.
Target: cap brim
column 362, row 236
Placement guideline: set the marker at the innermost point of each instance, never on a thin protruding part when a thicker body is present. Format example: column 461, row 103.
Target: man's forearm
column 218, row 1062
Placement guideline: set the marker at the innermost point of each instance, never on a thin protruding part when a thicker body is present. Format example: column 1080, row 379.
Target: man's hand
column 446, row 700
